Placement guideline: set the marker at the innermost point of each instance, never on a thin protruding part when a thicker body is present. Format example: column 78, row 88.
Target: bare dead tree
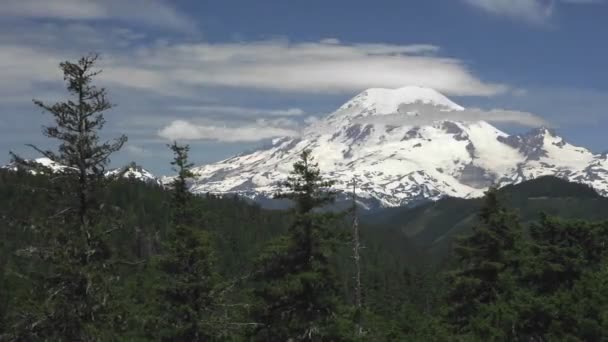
column 356, row 245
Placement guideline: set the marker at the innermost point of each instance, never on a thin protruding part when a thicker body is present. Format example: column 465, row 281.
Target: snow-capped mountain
column 136, row 172
column 402, row 147
column 129, row 171
column 44, row 162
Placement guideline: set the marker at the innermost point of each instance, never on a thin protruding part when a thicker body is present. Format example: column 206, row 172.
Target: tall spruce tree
column 71, row 297
column 483, row 279
column 295, row 287
column 188, row 279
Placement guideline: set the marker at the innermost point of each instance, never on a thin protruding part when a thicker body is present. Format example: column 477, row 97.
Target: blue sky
column 228, row 75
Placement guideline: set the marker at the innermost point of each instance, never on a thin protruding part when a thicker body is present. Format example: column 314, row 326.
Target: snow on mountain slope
column 136, row 172
column 387, row 101
column 130, row 171
column 401, row 149
column 44, row 162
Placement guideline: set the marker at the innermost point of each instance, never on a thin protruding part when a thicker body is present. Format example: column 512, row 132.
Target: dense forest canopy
column 84, row 257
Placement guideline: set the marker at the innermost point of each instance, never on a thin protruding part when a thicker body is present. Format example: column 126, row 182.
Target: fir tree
column 562, row 272
column 486, row 259
column 186, row 300
column 71, row 298
column 296, row 287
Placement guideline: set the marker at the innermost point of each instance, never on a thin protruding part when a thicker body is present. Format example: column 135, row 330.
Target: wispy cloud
column 260, row 130
column 422, row 114
column 136, row 150
column 183, row 69
column 583, row 2
column 155, row 13
column 237, row 112
column 532, row 11
column 314, row 67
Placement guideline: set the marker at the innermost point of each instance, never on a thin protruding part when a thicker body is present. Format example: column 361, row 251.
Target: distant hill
column 431, row 227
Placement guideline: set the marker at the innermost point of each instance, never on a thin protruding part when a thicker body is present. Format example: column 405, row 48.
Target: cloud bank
column 154, row 13
column 260, row 130
column 183, row 69
column 408, row 115
column 422, row 114
column 309, row 67
column 238, row 112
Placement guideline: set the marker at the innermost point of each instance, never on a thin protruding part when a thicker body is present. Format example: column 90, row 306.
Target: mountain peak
column 392, row 142
column 134, row 171
column 544, row 130
column 381, row 101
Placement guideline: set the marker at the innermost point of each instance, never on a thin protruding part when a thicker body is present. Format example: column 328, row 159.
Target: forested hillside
column 239, row 229
column 433, row 226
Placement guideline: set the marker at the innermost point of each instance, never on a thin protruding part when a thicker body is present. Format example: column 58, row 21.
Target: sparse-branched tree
column 356, row 246
column 71, row 297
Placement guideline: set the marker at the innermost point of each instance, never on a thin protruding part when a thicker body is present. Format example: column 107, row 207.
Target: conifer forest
column 88, row 257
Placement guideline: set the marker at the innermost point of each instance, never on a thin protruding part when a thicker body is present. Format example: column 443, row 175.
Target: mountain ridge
column 402, row 148
column 129, row 171
column 408, row 159
column 432, row 227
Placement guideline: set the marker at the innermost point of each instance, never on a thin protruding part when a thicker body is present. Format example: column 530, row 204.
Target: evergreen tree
column 71, row 297
column 296, row 287
column 487, row 258
column 561, row 281
column 188, row 279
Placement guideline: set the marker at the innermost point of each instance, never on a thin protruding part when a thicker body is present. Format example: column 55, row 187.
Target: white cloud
column 411, row 114
column 234, row 111
column 186, row 130
column 136, row 150
column 581, row 2
column 534, row 11
column 530, row 10
column 330, row 41
column 155, row 13
column 422, row 114
column 296, row 67
column 311, row 120
column 184, row 69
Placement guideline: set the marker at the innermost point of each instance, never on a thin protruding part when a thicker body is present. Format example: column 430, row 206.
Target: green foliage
column 487, row 258
column 71, row 297
column 85, row 258
column 187, row 303
column 564, row 271
column 432, row 228
column 295, row 285
column 402, row 302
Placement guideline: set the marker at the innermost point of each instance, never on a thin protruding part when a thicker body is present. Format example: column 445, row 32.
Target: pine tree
column 71, row 298
column 483, row 278
column 295, row 286
column 564, row 266
column 188, row 279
